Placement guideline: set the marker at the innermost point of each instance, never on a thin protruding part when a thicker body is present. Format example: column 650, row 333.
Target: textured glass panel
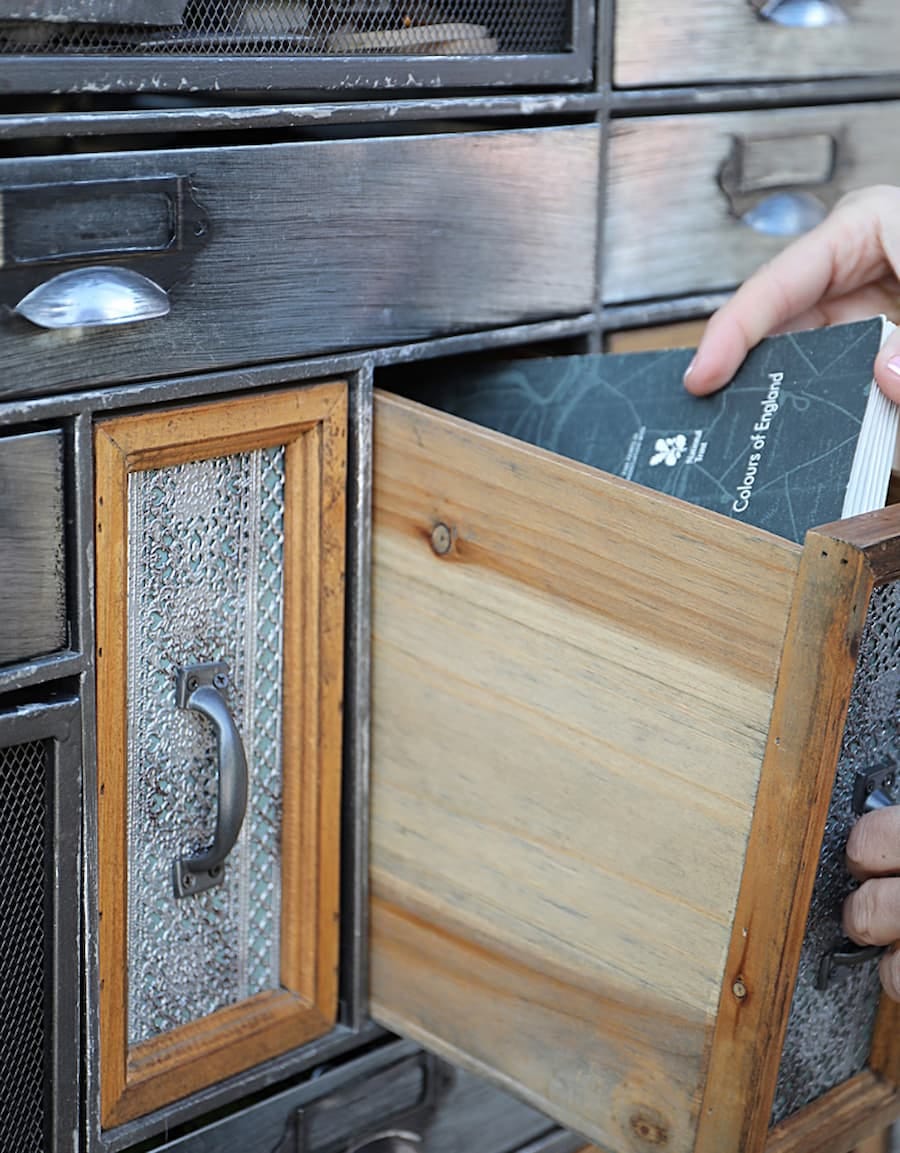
column 829, row 1032
column 205, row 583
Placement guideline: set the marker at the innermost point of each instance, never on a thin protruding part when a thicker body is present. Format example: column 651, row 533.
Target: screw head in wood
column 441, row 538
column 739, row 989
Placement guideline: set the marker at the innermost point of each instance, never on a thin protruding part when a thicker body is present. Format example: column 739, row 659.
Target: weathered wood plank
column 569, row 716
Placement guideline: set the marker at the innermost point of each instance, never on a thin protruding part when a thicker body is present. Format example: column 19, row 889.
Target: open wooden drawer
column 605, row 730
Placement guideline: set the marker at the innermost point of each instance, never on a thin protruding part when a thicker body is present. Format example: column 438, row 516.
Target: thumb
column 887, row 367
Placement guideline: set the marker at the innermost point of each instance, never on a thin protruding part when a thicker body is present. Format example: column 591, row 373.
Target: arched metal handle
column 785, row 214
column 803, row 13
column 198, row 688
column 91, row 297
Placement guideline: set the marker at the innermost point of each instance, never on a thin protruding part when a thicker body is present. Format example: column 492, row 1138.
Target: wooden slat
column 312, row 424
column 684, row 334
column 807, row 724
column 569, row 718
column 840, row 1120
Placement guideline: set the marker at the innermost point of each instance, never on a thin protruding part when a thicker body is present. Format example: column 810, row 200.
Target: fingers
column 887, row 367
column 873, row 847
column 793, row 283
column 852, row 250
column 871, row 915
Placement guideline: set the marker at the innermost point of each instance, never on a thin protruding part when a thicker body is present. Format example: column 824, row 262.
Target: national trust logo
column 669, row 450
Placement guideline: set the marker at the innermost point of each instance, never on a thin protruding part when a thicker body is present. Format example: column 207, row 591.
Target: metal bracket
column 873, row 790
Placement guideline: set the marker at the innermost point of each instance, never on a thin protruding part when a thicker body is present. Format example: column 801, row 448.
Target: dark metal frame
column 57, row 722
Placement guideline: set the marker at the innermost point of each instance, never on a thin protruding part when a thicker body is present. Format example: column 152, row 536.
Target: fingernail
column 690, row 367
column 894, row 365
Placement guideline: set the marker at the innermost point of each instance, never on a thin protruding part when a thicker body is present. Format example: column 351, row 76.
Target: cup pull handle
column 785, row 214
column 198, row 687
column 91, row 297
column 802, row 13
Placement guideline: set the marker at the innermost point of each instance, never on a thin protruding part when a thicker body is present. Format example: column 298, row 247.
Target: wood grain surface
column 570, row 711
column 737, row 44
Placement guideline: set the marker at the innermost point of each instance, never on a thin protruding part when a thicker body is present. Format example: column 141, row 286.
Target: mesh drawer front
column 25, row 857
column 318, row 28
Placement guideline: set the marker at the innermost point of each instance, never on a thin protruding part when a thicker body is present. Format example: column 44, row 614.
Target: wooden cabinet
column 220, row 561
column 605, row 730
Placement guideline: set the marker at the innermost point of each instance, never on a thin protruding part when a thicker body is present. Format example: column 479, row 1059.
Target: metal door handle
column 198, row 688
column 803, row 13
column 90, row 297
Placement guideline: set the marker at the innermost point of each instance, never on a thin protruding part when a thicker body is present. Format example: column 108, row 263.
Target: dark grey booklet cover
column 775, row 448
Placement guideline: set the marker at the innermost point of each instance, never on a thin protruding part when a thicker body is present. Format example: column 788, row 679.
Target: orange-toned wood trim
column 840, row 1119
column 818, row 663
column 884, row 1059
column 876, row 535
column 224, row 1043
column 312, row 422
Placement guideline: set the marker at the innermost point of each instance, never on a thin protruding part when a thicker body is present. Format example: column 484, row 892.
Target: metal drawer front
column 313, row 247
column 395, row 1089
column 293, row 44
column 32, row 582
column 753, row 40
column 696, row 203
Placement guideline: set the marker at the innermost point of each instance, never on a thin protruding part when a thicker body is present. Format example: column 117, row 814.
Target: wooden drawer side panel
column 568, row 727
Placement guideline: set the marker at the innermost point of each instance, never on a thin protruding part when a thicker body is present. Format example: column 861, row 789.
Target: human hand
column 845, row 269
column 872, row 912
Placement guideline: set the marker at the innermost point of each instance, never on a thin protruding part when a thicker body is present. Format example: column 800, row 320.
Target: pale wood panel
column 525, row 920
column 312, row 424
column 684, row 334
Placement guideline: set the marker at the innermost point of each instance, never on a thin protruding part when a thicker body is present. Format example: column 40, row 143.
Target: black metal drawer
column 275, row 251
column 32, row 578
column 396, row 1089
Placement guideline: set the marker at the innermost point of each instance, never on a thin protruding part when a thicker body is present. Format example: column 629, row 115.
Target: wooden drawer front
column 706, row 41
column 309, row 247
column 696, row 203
column 605, row 730
column 32, row 576
column 220, row 532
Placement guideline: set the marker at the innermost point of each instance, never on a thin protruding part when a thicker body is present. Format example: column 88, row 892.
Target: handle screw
column 441, row 539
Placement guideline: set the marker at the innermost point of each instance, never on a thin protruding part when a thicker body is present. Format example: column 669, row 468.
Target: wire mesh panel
column 293, row 28
column 40, row 821
column 25, row 903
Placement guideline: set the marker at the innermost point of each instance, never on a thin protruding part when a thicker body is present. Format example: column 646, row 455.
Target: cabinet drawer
column 32, row 571
column 392, row 1090
column 696, row 203
column 799, row 39
column 270, row 252
column 220, row 563
column 293, row 46
column 605, row 728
